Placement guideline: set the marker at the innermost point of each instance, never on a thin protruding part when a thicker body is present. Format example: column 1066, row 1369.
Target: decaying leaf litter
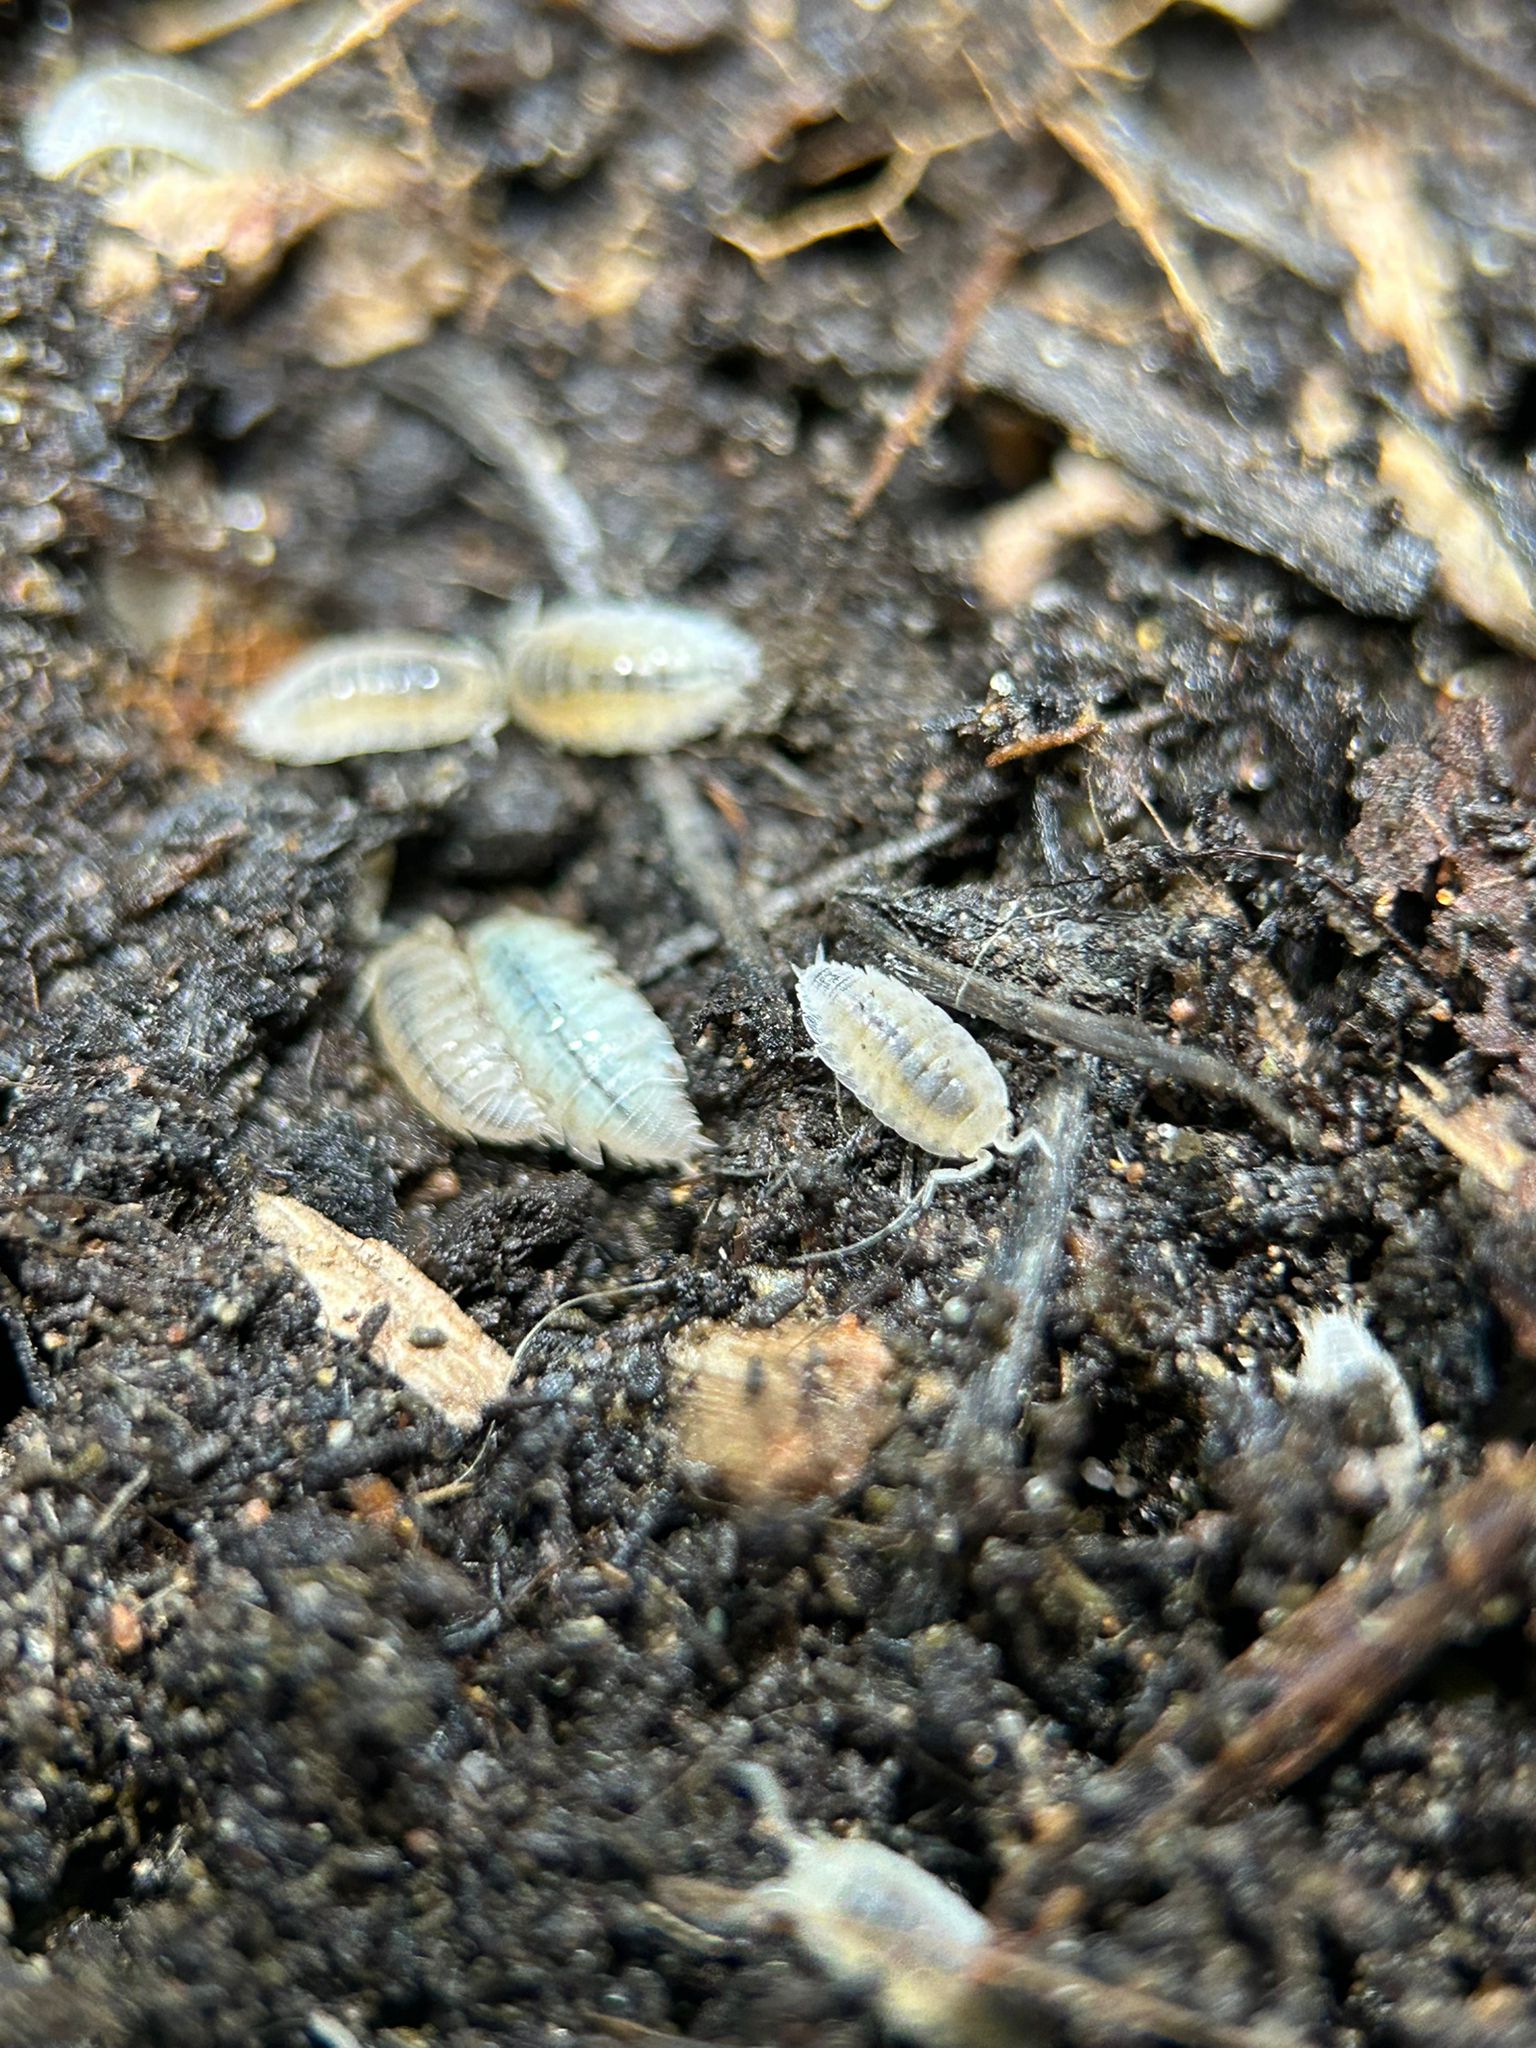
column 327, row 1719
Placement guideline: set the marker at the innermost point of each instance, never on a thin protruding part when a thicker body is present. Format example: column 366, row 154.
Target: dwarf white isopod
column 869, row 1917
column 911, row 1065
column 144, row 107
column 434, row 1029
column 601, row 677
column 598, row 1059
column 373, row 693
column 905, row 1059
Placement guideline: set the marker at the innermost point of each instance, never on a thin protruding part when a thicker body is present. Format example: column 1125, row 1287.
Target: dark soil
column 292, row 1752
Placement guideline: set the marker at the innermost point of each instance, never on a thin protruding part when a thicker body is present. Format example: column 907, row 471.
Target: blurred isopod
column 598, row 1059
column 911, row 1065
column 601, row 677
column 433, row 1028
column 147, row 108
column 373, row 693
column 870, row 1918
column 784, row 1413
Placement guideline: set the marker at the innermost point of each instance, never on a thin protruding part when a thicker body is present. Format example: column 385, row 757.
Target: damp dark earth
column 732, row 1589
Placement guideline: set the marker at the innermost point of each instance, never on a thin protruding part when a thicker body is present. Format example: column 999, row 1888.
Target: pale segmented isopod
column 601, row 677
column 140, row 106
column 597, row 1057
column 373, row 693
column 922, row 1074
column 434, row 1029
column 869, row 1916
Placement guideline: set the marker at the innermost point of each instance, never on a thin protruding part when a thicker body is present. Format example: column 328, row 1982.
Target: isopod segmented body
column 146, row 108
column 905, row 1059
column 869, row 1917
column 373, row 693
column 598, row 1059
column 434, row 1029
column 603, row 677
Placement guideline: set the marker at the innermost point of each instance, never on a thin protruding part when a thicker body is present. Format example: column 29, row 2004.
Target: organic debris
column 1126, row 1560
column 373, row 1296
column 782, row 1414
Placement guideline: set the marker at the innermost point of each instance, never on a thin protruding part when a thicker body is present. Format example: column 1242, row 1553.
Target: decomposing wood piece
column 371, row 1294
column 1087, row 128
column 1123, row 1040
column 1483, row 1132
column 990, row 1402
column 1020, row 542
column 1462, row 1567
column 709, row 875
column 1218, row 477
column 477, row 396
column 1479, row 567
column 810, row 892
column 1408, row 287
column 1223, row 200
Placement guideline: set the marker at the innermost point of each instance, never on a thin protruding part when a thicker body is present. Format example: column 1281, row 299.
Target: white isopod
column 143, row 106
column 911, row 1065
column 871, row 1918
column 434, row 1029
column 373, row 693
column 603, row 677
column 598, row 1059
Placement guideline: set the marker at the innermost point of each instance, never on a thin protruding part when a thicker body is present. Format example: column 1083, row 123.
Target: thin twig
column 128, row 1491
column 990, row 1402
column 809, row 893
column 1462, row 1567
column 912, row 423
column 1301, row 1691
column 707, row 872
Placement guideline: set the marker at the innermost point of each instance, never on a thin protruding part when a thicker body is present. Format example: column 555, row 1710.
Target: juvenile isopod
column 597, row 1058
column 433, row 1027
column 147, row 107
column 911, row 1065
column 373, row 693
column 601, row 677
column 870, row 1917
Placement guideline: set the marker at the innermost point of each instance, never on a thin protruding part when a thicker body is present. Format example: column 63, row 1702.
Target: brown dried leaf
column 1441, row 824
column 425, row 1339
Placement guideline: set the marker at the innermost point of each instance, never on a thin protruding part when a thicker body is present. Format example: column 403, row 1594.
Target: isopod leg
column 1024, row 1141
column 941, row 1177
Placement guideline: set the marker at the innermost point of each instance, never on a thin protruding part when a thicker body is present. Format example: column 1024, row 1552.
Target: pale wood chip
column 425, row 1339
